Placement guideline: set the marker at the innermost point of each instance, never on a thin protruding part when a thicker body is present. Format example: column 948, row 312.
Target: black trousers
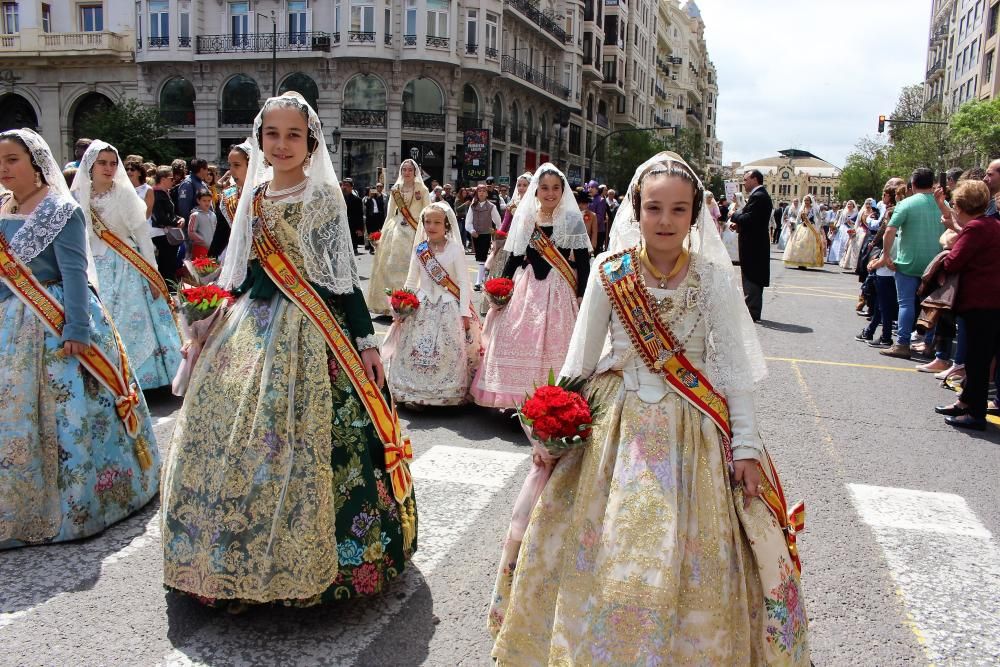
column 983, row 345
column 482, row 245
column 753, row 295
column 166, row 258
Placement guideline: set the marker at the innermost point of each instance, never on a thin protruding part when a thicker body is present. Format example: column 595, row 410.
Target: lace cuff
column 367, row 343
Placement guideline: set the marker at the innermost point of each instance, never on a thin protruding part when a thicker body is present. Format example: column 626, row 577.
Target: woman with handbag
column 974, row 259
column 166, row 232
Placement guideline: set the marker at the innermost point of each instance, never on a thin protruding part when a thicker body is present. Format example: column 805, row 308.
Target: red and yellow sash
column 230, row 200
column 46, row 308
column 397, row 196
column 147, row 270
column 437, row 273
column 298, row 290
column 664, row 356
column 541, row 242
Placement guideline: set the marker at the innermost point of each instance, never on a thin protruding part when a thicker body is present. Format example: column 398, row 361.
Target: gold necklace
column 17, row 205
column 679, row 265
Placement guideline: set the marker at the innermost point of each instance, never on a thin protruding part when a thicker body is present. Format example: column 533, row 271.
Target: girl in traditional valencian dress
column 852, row 252
column 239, row 154
column 806, row 247
column 130, row 285
column 287, row 479
column 407, row 199
column 432, row 354
column 77, row 451
column 549, row 263
column 845, row 224
column 659, row 541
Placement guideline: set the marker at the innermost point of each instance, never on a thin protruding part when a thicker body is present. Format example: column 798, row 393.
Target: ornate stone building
column 547, row 79
column 794, row 173
column 962, row 53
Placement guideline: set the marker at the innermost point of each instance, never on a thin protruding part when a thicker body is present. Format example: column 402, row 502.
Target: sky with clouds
column 810, row 74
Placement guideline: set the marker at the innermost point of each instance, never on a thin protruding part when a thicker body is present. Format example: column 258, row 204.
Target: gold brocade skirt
column 640, row 552
column 805, row 248
column 391, row 262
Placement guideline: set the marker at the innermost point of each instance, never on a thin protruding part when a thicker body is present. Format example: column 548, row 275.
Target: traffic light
column 881, row 124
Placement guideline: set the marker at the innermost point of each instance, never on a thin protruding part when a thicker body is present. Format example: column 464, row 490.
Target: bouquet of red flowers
column 498, row 291
column 374, row 238
column 852, row 232
column 201, row 307
column 500, row 235
column 402, row 301
column 558, row 415
column 202, row 270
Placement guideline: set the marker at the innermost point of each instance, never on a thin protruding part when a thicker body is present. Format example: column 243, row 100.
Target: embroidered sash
column 541, row 242
column 397, row 196
column 147, row 270
column 435, row 270
column 298, row 290
column 664, row 356
column 46, row 308
column 230, row 200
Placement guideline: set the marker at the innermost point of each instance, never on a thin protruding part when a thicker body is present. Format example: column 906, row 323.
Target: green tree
column 976, row 128
column 917, row 145
column 627, row 150
column 865, row 171
column 716, row 185
column 132, row 128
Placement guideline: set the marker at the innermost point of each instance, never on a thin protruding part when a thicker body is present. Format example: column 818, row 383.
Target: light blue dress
column 145, row 324
column 68, row 469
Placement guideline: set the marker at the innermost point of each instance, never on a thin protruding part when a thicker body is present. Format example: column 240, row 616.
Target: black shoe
column 477, row 288
column 862, row 338
column 880, row 343
column 951, row 410
column 965, row 421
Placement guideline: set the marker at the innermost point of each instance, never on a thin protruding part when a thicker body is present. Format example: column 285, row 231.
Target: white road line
column 443, row 474
column 947, row 566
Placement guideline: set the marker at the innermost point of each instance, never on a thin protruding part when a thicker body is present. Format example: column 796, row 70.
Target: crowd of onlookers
column 929, row 267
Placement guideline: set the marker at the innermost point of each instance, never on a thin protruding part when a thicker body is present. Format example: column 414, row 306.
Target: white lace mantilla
column 42, row 226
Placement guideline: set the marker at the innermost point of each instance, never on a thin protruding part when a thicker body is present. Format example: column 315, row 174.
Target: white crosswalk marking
column 946, row 564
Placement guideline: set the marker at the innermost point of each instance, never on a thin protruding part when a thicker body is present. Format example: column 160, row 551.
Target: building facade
column 962, row 53
column 794, row 173
column 390, row 80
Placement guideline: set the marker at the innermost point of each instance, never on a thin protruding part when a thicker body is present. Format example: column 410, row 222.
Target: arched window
column 364, row 102
column 86, row 106
column 497, row 111
column 177, row 101
column 16, row 113
column 423, row 96
column 302, row 84
column 240, row 101
column 470, row 102
column 515, row 118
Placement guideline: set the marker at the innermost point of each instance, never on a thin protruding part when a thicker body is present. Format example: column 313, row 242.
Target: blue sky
column 810, row 74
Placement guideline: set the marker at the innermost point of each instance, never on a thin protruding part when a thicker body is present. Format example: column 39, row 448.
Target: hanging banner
column 477, row 152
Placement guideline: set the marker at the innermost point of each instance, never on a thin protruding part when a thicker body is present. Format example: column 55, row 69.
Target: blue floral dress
column 67, row 467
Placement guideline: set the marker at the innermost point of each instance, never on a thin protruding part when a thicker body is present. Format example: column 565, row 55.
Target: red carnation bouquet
column 559, row 416
column 201, row 307
column 374, row 238
column 402, row 301
column 499, row 291
column 202, row 270
column 500, row 235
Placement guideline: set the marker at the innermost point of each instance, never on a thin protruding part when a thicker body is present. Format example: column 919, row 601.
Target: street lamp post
column 274, row 51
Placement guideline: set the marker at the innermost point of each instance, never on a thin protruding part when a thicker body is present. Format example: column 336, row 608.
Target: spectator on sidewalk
column 974, row 259
column 911, row 241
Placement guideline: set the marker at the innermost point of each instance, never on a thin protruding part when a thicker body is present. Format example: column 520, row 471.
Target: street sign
column 504, row 180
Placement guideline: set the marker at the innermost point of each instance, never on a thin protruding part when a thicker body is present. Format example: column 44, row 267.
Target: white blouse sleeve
column 468, row 220
column 497, row 221
column 746, row 442
column 461, row 276
column 413, row 275
column 591, row 330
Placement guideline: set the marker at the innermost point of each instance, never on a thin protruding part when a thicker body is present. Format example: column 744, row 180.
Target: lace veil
column 568, row 228
column 122, row 211
column 419, row 189
column 51, row 214
column 452, row 235
column 734, row 355
column 324, row 233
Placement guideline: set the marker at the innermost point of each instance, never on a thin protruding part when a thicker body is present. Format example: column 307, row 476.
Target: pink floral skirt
column 525, row 340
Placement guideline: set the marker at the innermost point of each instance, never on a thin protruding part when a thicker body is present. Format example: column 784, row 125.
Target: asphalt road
column 900, row 561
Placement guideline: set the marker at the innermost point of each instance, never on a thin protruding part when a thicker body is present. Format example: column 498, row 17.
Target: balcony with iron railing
column 694, row 112
column 435, row 42
column 534, row 15
column 492, row 53
column 499, row 132
column 388, row 39
column 159, row 42
column 933, row 101
column 471, row 49
column 264, row 42
column 935, row 69
column 360, row 37
column 527, row 73
column 409, row 40
column 469, row 123
column 362, row 118
column 532, row 139
column 413, row 120
column 516, row 135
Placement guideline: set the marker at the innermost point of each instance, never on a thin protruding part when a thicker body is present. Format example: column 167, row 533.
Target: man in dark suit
column 755, row 245
column 355, row 213
column 374, row 215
